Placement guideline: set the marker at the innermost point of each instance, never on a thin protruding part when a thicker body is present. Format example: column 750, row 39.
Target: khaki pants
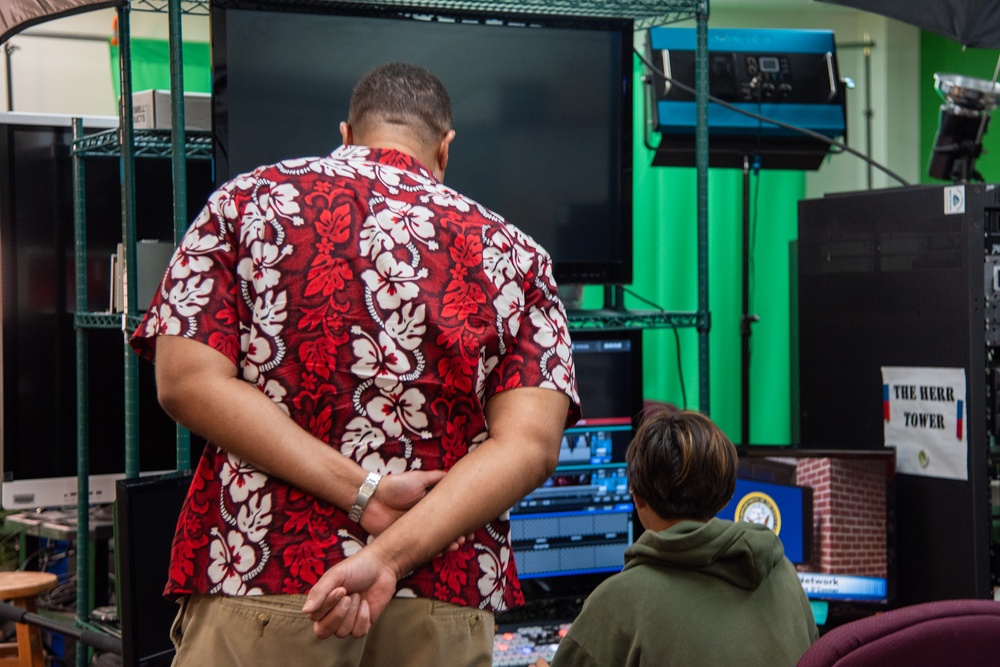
column 224, row 631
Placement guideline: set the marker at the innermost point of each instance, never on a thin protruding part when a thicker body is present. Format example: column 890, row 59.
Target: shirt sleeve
column 196, row 298
column 541, row 354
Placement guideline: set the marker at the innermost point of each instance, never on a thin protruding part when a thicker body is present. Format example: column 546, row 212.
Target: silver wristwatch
column 365, row 493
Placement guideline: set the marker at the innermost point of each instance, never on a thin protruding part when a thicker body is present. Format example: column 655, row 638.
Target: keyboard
column 523, row 645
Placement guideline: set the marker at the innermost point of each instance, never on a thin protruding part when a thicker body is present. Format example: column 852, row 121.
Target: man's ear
column 346, row 133
column 442, row 151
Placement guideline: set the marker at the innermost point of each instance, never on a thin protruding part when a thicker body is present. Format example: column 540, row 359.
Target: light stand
column 746, row 318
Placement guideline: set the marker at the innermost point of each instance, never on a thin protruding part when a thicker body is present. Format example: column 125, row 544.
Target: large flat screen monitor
column 542, row 109
column 572, row 532
column 834, row 511
column 39, row 355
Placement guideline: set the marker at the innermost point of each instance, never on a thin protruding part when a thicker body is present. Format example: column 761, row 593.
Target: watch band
column 365, row 493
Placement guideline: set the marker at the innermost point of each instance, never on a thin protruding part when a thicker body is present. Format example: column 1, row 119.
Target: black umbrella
column 968, row 22
column 16, row 15
column 968, row 101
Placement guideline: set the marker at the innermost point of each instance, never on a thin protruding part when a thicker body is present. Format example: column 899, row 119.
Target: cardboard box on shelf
column 151, row 260
column 151, row 110
column 152, row 257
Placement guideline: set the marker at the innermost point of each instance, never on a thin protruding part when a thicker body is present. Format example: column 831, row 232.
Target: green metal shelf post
column 178, row 161
column 84, row 601
column 127, row 157
column 701, row 165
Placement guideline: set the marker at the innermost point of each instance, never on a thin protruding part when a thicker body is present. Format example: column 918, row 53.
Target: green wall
column 151, row 66
column 665, row 243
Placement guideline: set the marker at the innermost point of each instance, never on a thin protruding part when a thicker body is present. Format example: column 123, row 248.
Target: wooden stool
column 21, row 588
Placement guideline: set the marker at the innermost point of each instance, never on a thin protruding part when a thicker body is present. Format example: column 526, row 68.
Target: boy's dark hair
column 401, row 94
column 683, row 465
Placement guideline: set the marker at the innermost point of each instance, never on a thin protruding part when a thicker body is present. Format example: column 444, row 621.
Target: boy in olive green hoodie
column 696, row 591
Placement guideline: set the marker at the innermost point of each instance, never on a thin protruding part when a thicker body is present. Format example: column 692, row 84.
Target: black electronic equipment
column 145, row 520
column 571, row 533
column 522, row 646
column 906, row 277
column 787, row 75
column 39, row 348
column 542, row 108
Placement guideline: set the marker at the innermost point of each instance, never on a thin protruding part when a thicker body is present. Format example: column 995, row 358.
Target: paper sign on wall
column 924, row 413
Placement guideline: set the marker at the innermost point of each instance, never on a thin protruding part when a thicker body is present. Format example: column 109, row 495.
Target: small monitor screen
column 39, row 358
column 784, row 508
column 769, row 64
column 580, row 521
column 834, row 513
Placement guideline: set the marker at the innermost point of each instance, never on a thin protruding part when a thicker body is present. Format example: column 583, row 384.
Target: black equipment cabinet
column 906, row 277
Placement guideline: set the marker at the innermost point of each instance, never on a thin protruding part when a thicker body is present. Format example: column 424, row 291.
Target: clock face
column 757, row 507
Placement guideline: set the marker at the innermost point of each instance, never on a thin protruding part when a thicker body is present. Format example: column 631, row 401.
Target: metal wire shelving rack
column 178, row 145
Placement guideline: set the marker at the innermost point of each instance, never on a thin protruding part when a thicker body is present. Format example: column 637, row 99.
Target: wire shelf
column 106, row 321
column 596, row 319
column 148, row 143
column 645, row 13
column 193, row 7
column 626, row 319
column 583, row 319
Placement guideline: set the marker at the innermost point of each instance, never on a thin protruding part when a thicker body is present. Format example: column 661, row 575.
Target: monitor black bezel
column 39, row 407
column 608, row 271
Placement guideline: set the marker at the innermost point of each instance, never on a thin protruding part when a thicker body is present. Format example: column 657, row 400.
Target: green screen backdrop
column 666, row 246
column 151, row 66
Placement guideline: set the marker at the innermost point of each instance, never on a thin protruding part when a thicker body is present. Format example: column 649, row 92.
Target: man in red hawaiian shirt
column 382, row 368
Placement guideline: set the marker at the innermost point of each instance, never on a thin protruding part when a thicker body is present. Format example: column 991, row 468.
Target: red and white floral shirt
column 380, row 310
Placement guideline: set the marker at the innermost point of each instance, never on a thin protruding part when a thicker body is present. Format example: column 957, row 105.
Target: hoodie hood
column 743, row 554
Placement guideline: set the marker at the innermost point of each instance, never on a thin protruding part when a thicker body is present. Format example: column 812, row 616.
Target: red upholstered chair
column 930, row 634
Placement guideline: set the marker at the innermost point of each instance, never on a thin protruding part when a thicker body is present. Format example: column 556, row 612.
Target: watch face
column 757, row 507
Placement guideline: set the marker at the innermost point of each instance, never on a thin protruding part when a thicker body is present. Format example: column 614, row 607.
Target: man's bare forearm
column 525, row 429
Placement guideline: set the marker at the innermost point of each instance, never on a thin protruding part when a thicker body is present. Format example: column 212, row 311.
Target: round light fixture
column 965, row 116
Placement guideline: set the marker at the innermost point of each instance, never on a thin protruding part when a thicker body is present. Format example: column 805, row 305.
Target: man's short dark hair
column 405, row 95
column 682, row 464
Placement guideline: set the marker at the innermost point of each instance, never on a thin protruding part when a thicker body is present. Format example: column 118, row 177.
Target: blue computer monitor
column 834, row 511
column 572, row 532
column 784, row 508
